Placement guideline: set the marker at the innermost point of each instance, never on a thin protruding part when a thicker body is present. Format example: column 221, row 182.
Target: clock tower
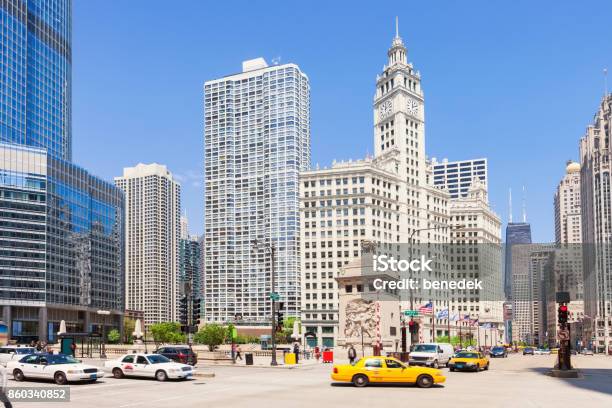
column 399, row 118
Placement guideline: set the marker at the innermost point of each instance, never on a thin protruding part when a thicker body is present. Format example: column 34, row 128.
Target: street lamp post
column 103, row 313
column 272, row 251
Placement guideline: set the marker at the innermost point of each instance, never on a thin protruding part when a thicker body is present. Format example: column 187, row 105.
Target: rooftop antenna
column 524, row 204
column 509, row 205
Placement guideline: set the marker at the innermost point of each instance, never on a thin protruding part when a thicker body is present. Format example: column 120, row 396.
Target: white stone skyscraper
column 257, row 140
column 399, row 123
column 596, row 199
column 385, row 200
column 152, row 232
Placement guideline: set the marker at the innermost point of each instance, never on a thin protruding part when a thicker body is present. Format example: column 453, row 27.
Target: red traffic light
column 563, row 308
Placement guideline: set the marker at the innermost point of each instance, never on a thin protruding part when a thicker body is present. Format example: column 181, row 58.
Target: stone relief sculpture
column 360, row 318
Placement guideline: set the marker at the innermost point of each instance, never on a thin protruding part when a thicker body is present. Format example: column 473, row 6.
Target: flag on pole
column 454, row 317
column 426, row 309
column 442, row 314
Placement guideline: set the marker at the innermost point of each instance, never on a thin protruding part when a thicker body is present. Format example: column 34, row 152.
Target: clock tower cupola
column 397, row 52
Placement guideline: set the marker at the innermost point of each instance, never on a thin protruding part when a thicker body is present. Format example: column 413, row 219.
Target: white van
column 431, row 354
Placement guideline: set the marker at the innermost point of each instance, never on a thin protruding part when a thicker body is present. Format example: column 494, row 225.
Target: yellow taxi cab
column 468, row 360
column 378, row 369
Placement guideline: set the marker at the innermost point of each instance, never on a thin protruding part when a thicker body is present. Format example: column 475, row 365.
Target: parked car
column 498, row 351
column 149, row 365
column 528, row 350
column 179, row 354
column 431, row 354
column 541, row 351
column 13, row 353
column 60, row 368
column 586, row 352
column 378, row 369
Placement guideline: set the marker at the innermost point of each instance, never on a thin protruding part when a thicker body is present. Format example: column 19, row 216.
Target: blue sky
column 516, row 82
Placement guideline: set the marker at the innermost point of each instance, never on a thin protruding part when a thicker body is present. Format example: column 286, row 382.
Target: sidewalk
column 261, row 362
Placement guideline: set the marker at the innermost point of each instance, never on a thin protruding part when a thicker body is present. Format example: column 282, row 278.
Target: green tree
column 454, row 340
column 113, row 336
column 128, row 329
column 211, row 335
column 167, row 332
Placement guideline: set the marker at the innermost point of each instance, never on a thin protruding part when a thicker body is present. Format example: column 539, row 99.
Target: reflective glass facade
column 35, row 79
column 61, row 245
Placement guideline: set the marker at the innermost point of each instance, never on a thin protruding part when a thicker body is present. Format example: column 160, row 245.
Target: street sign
column 411, row 312
column 274, row 296
column 564, row 335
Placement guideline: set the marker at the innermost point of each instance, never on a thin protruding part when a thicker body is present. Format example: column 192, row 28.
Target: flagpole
column 448, row 326
column 433, row 320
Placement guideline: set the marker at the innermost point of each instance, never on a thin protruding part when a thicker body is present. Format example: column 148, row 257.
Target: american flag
column 426, row 309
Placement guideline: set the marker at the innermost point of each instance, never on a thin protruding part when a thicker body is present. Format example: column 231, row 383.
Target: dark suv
column 180, row 354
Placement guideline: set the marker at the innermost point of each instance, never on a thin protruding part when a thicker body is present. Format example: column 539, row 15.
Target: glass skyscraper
column 36, row 75
column 61, row 229
column 257, row 140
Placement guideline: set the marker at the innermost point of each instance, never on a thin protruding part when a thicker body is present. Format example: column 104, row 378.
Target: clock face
column 413, row 107
column 385, row 109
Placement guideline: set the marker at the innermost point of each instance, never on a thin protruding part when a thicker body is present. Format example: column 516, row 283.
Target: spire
column 605, row 72
column 397, row 52
column 396, row 27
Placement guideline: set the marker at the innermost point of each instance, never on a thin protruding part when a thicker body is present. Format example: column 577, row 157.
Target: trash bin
column 328, row 356
column 289, row 358
column 248, row 358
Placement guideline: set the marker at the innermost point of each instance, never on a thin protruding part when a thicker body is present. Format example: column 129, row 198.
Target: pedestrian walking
column 73, row 347
column 296, row 351
column 317, row 353
column 352, row 354
column 238, row 353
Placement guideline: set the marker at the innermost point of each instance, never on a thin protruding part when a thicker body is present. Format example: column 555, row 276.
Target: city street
column 515, row 381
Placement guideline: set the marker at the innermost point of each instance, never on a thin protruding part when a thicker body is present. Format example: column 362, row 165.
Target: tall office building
column 517, row 233
column 61, row 246
column 152, row 232
column 596, row 200
column 568, row 274
column 61, row 233
column 257, row 140
column 568, row 219
column 531, row 267
column 190, row 263
column 457, row 176
column 36, row 75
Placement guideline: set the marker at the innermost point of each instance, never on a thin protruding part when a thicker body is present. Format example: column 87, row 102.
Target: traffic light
column 563, row 314
column 197, row 307
column 279, row 317
column 183, row 314
column 413, row 327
